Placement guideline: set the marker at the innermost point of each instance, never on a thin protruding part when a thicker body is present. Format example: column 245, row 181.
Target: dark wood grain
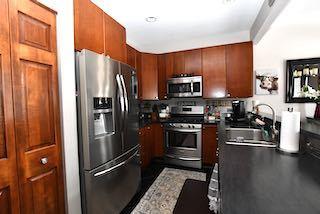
column 192, row 62
column 145, row 140
column 240, row 70
column 214, row 72
column 115, row 39
column 178, row 63
column 169, row 65
column 88, row 26
column 149, row 77
column 9, row 193
column 158, row 142
column 37, row 115
column 209, row 144
column 162, row 77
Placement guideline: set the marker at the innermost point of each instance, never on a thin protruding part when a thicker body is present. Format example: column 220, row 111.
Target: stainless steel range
column 183, row 136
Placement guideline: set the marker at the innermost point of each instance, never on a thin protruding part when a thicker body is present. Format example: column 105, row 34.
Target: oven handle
column 184, row 159
column 183, row 130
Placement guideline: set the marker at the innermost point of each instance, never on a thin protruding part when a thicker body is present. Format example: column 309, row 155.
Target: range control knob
column 193, row 126
column 189, row 126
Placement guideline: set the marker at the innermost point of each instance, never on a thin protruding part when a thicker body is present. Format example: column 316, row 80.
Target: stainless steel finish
column 108, row 126
column 275, row 132
column 44, row 161
column 187, row 110
column 183, row 158
column 191, row 81
column 247, row 137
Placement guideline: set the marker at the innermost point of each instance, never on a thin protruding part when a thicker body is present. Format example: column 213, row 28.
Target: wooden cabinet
column 145, row 140
column 9, row 193
column 149, row 77
column 239, row 58
column 209, row 144
column 88, row 26
column 214, row 72
column 158, row 141
column 115, row 39
column 162, row 78
column 169, row 57
column 36, row 107
column 131, row 56
column 192, row 62
column 178, row 63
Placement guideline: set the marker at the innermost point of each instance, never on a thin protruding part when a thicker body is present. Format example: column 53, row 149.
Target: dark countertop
column 261, row 180
column 311, row 129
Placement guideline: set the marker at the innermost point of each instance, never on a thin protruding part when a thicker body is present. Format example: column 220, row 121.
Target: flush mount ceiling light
column 151, row 19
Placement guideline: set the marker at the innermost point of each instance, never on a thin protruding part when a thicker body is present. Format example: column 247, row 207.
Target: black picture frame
column 290, row 65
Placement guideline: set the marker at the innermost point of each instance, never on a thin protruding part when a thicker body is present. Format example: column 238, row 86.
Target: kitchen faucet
column 274, row 131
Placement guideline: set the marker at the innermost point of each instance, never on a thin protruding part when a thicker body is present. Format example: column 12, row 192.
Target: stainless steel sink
column 247, row 137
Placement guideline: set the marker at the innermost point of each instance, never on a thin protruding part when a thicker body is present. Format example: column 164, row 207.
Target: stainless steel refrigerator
column 108, row 126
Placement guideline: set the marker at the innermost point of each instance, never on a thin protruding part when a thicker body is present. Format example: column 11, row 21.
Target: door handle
column 121, row 93
column 103, row 172
column 125, row 93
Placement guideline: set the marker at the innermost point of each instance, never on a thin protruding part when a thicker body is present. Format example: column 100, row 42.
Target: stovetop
column 193, row 120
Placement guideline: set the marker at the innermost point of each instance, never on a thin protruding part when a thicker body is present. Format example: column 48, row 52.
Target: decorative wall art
column 267, row 82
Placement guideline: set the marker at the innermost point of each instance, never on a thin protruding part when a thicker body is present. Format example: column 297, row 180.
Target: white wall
column 66, row 66
column 294, row 35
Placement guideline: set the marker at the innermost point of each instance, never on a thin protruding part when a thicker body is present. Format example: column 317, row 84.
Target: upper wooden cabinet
column 96, row 31
column 192, row 62
column 214, row 72
column 178, row 63
column 162, row 78
column 169, row 57
column 88, row 26
column 131, row 56
column 239, row 69
column 115, row 39
column 149, row 77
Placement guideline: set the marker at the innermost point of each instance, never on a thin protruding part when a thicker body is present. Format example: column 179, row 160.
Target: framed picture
column 267, row 82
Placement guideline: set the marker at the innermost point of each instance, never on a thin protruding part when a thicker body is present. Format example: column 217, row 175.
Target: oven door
column 185, row 87
column 183, row 142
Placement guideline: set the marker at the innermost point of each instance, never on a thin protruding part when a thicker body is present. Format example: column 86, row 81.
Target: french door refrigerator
column 108, row 113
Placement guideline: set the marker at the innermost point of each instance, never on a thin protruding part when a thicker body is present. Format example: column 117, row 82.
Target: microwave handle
column 191, row 87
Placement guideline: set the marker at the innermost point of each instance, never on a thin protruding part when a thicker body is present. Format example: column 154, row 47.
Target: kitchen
column 142, row 131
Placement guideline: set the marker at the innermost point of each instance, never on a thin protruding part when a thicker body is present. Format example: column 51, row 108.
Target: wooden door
column 192, row 62
column 115, row 39
column 36, row 104
column 214, row 72
column 88, row 26
column 131, row 56
column 158, row 142
column 149, row 77
column 162, row 78
column 209, row 144
column 178, row 63
column 240, row 70
column 9, row 194
column 139, row 74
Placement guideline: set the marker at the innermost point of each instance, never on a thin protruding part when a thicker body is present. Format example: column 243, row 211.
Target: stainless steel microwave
column 185, row 87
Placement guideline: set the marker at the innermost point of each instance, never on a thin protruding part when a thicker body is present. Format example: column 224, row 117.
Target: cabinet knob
column 203, row 127
column 44, row 161
column 228, row 95
column 148, row 127
column 139, row 133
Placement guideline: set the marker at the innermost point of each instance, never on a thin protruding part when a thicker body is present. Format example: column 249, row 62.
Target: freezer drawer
column 109, row 188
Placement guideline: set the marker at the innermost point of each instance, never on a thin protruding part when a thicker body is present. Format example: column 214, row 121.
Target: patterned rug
column 162, row 196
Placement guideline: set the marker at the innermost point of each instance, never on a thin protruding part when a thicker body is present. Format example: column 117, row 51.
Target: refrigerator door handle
column 122, row 105
column 116, row 166
column 125, row 93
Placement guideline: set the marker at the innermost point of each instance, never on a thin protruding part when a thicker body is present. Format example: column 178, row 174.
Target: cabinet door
column 192, row 62
column 158, row 142
column 149, row 144
column 139, row 73
column 214, row 72
column 149, row 77
column 36, row 104
column 169, row 65
column 131, row 56
column 115, row 39
column 145, row 137
column 209, row 144
column 240, row 69
column 88, row 26
column 162, row 78
column 9, row 198
column 178, row 63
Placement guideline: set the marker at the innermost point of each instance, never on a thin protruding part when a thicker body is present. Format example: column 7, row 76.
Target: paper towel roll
column 290, row 131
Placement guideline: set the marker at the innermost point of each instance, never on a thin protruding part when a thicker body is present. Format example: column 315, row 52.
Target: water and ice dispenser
column 103, row 116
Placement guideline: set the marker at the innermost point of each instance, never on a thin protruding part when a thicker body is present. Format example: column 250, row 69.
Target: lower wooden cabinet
column 209, row 144
column 158, row 143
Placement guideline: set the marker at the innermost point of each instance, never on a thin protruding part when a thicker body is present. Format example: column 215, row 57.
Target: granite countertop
column 261, row 180
column 311, row 129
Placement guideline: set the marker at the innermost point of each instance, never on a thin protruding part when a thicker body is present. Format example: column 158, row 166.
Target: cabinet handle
column 44, row 161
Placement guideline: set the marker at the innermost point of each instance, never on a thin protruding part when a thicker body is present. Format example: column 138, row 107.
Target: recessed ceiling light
column 151, row 19
column 228, row 1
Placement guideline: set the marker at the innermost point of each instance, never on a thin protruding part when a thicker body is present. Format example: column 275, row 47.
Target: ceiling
column 182, row 24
